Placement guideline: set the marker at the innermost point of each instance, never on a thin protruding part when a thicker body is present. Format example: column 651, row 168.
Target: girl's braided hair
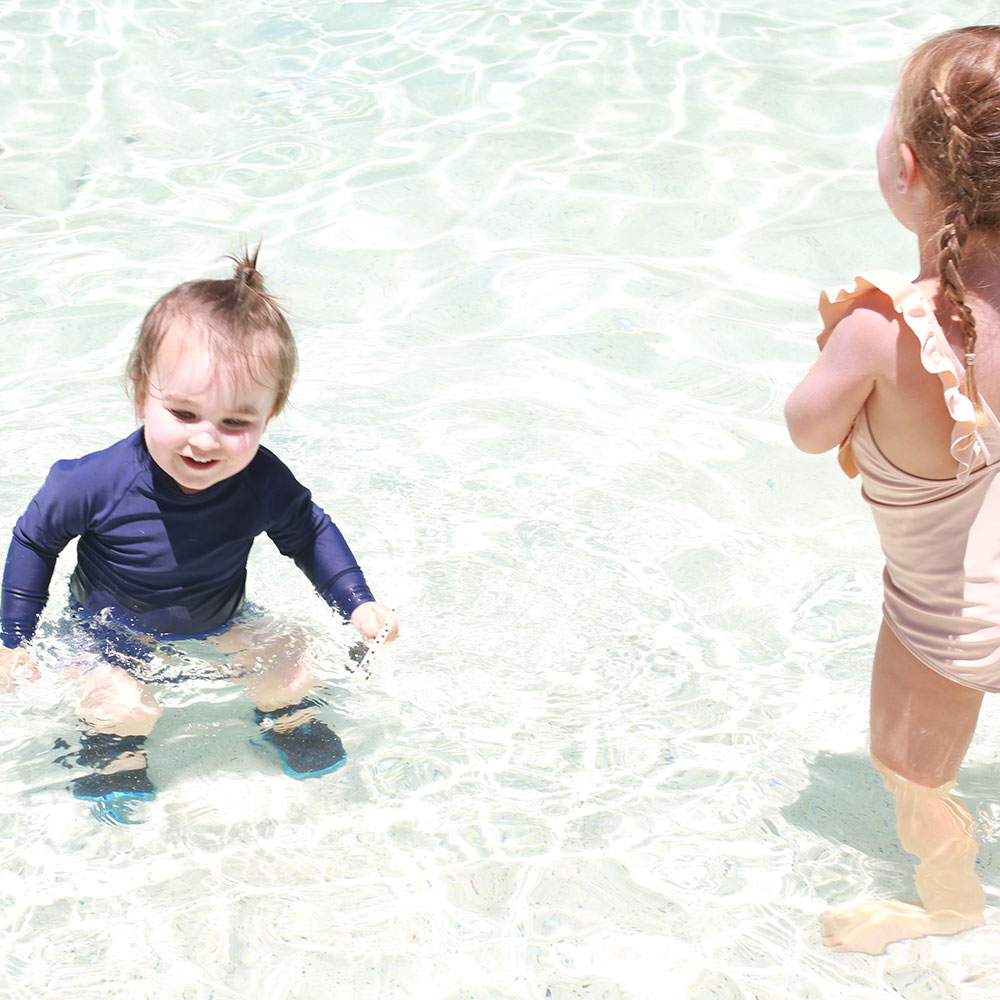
column 949, row 114
column 238, row 321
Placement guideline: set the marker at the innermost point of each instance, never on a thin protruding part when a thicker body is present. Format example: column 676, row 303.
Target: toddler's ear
column 139, row 401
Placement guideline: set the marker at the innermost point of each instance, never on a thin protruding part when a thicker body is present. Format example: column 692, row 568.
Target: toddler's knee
column 137, row 721
column 124, row 712
column 281, row 686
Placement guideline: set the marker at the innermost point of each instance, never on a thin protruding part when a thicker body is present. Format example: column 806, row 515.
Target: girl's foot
column 870, row 926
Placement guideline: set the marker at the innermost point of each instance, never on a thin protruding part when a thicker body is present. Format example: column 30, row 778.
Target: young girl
column 166, row 519
column 908, row 381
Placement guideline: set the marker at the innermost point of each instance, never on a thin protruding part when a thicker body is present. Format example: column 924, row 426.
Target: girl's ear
column 909, row 169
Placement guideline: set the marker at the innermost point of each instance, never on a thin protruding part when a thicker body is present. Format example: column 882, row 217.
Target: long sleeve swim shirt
column 164, row 561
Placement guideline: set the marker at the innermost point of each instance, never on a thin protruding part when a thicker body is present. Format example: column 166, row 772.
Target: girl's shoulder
column 864, row 337
column 881, row 313
column 879, row 300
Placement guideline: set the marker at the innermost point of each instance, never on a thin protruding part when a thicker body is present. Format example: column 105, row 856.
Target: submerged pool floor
column 552, row 266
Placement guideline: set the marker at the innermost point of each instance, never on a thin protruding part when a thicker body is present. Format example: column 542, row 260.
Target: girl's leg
column 921, row 726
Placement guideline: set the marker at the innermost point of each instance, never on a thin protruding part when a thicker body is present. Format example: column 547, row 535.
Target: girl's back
column 906, row 409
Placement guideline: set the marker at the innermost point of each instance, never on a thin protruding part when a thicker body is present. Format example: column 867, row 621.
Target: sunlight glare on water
column 552, row 266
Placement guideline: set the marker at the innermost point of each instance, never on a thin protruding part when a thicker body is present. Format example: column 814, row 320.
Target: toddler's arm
column 22, row 597
column 57, row 514
column 25, row 591
column 861, row 348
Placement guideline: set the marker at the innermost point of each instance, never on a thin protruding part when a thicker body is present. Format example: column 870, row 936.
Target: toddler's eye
column 184, row 415
column 233, row 424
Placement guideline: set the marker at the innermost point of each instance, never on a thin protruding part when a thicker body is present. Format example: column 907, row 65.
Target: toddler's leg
column 276, row 673
column 272, row 664
column 922, row 724
column 112, row 701
column 120, row 712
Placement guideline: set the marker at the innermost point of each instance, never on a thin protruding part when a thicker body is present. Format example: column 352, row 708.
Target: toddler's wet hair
column 238, row 321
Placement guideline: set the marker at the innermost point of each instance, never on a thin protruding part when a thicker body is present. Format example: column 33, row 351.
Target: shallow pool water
column 553, row 267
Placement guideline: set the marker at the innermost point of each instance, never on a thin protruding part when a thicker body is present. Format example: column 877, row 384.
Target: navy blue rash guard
column 164, row 561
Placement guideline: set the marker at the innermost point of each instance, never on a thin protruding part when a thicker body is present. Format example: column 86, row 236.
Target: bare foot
column 872, row 925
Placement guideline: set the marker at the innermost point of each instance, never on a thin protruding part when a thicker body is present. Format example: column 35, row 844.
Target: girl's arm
column 861, row 348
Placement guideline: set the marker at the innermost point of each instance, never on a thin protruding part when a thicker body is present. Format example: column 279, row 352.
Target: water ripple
column 552, row 267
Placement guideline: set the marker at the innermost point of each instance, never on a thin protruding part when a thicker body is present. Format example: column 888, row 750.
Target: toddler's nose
column 202, row 438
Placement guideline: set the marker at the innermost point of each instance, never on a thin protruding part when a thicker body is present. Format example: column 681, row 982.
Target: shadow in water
column 845, row 803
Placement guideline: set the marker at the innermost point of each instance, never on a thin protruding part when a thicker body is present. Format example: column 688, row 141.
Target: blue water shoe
column 103, row 751
column 134, row 784
column 307, row 750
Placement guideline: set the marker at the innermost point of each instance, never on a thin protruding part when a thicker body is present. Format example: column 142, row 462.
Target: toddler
column 165, row 521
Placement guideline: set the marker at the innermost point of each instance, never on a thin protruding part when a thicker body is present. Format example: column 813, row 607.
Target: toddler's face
column 203, row 423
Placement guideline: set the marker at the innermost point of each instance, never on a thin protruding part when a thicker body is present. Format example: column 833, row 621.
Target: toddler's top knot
column 245, row 273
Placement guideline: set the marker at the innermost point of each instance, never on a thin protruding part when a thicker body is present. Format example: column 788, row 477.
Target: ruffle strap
column 967, row 445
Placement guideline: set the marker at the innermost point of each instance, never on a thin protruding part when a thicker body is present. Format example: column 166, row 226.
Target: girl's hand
column 368, row 618
column 14, row 662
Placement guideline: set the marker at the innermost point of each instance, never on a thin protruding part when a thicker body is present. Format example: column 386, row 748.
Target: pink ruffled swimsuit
column 941, row 538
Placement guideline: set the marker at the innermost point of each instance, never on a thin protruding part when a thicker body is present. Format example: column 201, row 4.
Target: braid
column 952, row 236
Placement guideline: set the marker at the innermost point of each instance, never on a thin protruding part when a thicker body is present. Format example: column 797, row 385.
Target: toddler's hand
column 368, row 618
column 14, row 662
